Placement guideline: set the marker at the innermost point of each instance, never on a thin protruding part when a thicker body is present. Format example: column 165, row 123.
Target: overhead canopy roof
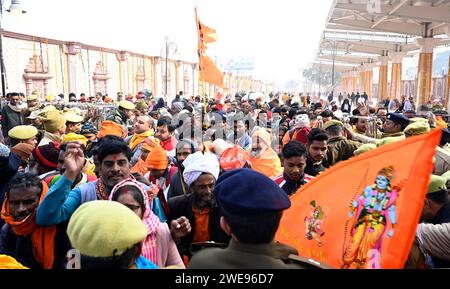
column 356, row 27
column 405, row 17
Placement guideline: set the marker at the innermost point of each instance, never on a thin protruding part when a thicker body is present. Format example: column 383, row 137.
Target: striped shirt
column 289, row 186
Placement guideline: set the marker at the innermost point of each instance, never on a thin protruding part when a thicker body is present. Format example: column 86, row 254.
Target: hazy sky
column 280, row 35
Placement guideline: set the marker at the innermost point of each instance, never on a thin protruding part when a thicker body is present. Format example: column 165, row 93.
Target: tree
column 321, row 76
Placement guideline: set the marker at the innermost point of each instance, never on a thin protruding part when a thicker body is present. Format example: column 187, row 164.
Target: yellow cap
column 417, row 128
column 73, row 117
column 32, row 97
column 102, row 229
column 53, row 121
column 73, row 137
column 127, row 104
column 331, row 123
column 437, row 183
column 23, row 132
column 49, row 98
column 49, row 108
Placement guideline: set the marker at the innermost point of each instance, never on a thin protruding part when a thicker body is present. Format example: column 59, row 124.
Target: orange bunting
column 363, row 213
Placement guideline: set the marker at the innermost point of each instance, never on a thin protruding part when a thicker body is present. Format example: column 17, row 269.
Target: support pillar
column 425, row 69
column 73, row 49
column 396, row 75
column 362, row 79
column 122, row 57
column 383, row 78
column 368, row 79
column 156, row 61
column 447, row 87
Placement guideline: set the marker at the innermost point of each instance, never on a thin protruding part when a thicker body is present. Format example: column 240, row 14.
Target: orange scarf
column 42, row 238
column 267, row 164
column 138, row 138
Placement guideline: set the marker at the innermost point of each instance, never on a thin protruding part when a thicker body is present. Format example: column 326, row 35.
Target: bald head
column 142, row 124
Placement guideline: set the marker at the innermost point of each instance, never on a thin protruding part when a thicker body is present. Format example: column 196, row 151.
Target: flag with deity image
column 363, row 213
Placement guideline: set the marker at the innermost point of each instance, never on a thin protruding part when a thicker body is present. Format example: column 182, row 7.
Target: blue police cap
column 398, row 118
column 246, row 192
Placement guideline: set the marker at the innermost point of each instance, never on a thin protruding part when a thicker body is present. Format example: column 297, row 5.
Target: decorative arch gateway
column 100, row 77
column 37, row 76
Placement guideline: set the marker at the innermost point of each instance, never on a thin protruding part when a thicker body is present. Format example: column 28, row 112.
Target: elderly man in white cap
column 195, row 218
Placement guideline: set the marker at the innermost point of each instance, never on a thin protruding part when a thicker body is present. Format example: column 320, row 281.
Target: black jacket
column 20, row 247
column 182, row 206
column 10, row 119
column 176, row 187
column 8, row 168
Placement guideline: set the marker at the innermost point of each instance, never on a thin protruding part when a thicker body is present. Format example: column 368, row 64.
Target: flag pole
column 200, row 60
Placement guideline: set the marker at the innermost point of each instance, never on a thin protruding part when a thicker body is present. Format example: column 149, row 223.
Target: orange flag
column 363, row 213
column 211, row 73
column 205, row 34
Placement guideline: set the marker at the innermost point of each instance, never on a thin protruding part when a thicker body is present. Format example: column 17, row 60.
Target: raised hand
column 180, row 228
column 74, row 161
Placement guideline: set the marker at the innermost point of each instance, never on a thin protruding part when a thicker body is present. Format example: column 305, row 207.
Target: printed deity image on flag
column 363, row 213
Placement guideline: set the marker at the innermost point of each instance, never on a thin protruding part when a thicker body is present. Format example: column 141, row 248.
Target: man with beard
column 317, row 150
column 178, row 186
column 142, row 130
column 262, row 157
column 198, row 210
column 294, row 162
column 61, row 201
column 165, row 133
column 35, row 246
column 11, row 114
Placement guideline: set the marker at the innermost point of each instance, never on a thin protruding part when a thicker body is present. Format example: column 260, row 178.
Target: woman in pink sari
column 158, row 247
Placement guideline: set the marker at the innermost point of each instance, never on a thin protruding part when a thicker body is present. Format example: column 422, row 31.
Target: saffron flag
column 363, row 213
column 205, row 34
column 211, row 73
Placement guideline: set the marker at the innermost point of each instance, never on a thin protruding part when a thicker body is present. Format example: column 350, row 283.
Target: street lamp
column 15, row 8
column 173, row 46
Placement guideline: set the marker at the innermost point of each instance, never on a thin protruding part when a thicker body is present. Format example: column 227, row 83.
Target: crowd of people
column 136, row 182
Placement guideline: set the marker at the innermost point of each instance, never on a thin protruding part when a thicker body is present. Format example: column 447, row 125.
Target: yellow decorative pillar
column 156, row 61
column 368, row 79
column 354, row 81
column 121, row 57
column 447, row 90
column 396, row 75
column 362, row 79
column 383, row 79
column 425, row 69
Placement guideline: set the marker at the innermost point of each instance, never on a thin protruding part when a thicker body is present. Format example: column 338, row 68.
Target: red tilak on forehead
column 126, row 191
column 114, row 158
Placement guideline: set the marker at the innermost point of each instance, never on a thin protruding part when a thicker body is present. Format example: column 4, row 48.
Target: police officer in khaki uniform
column 394, row 125
column 252, row 206
column 23, row 134
column 339, row 147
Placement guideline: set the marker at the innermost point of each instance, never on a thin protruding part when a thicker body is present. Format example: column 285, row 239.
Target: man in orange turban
column 111, row 128
column 160, row 174
column 262, row 157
